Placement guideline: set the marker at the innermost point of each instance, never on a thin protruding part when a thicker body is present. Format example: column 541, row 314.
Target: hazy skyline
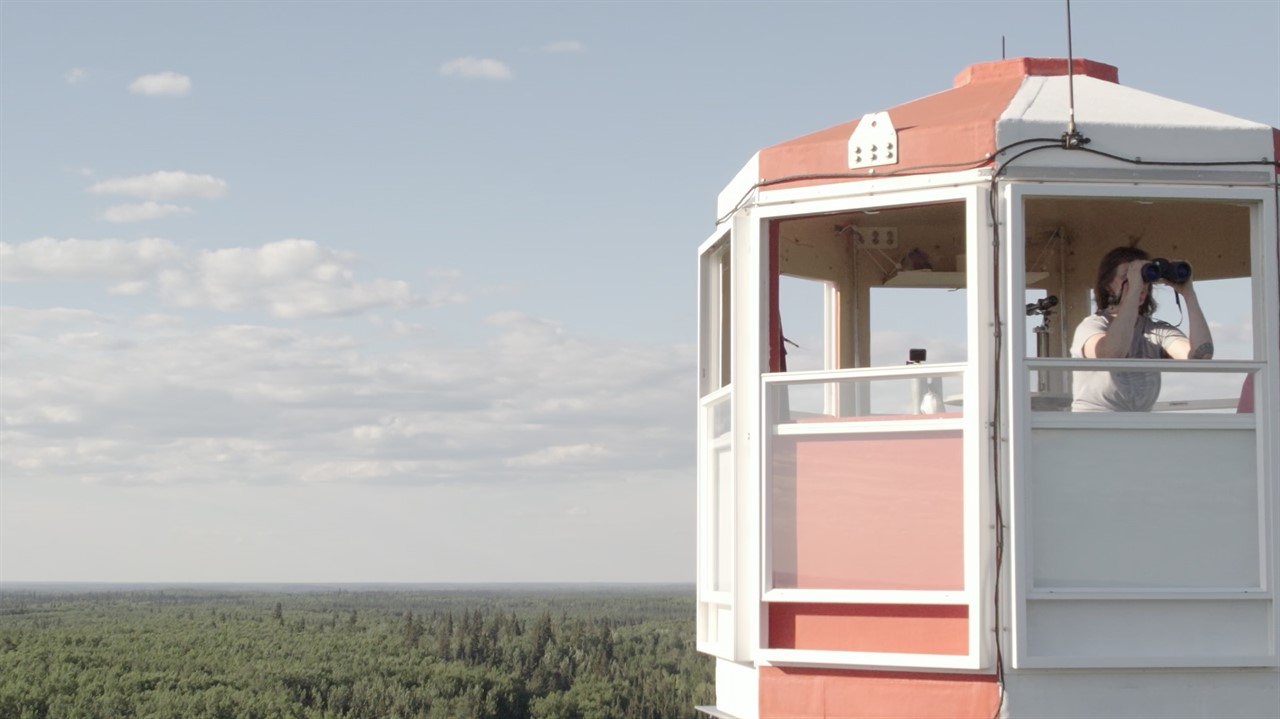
column 404, row 292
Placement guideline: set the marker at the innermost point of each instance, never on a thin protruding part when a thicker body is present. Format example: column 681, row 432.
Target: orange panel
column 872, row 511
column 1030, row 66
column 794, row 693
column 953, row 127
column 907, row 629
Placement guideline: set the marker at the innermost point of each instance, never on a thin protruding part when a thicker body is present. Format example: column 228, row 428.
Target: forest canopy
column 546, row 652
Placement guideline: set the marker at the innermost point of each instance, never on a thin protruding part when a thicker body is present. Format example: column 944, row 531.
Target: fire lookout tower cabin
column 900, row 513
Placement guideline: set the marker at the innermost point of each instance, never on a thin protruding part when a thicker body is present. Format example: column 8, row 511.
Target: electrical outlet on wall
column 877, row 238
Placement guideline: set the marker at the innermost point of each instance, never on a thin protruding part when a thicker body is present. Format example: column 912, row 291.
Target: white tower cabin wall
column 885, row 533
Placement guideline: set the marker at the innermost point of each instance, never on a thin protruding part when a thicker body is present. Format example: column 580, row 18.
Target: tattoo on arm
column 1204, row 351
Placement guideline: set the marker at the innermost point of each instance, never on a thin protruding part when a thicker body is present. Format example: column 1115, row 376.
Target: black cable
column 1000, row 169
column 1056, row 140
column 914, row 169
column 1181, row 163
column 994, row 427
column 1066, row 143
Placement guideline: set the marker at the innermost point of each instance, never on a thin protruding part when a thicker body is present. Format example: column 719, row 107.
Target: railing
column 893, row 394
column 1219, row 389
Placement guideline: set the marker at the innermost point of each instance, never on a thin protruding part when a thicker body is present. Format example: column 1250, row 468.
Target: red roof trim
column 1035, row 66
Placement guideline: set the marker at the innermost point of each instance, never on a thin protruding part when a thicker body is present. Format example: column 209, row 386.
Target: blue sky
column 405, row 291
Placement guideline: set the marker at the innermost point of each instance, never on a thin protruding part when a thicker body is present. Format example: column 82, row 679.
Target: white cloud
column 22, row 320
column 48, row 258
column 1232, row 339
column 134, row 287
column 76, row 75
column 559, row 455
column 564, row 46
column 481, row 68
column 400, row 327
column 156, row 440
column 162, row 84
column 163, row 185
column 46, row 414
column 147, row 401
column 157, row 320
column 288, row 279
column 291, row 278
column 148, row 210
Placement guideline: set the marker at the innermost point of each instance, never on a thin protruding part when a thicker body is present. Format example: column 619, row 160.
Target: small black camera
column 1167, row 270
column 1042, row 306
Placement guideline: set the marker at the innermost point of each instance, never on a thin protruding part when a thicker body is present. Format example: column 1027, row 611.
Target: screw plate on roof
column 874, row 142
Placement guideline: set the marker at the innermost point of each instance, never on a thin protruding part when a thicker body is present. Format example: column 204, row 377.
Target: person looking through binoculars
column 1123, row 327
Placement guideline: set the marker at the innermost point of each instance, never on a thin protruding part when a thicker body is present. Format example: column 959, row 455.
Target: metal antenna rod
column 1071, row 88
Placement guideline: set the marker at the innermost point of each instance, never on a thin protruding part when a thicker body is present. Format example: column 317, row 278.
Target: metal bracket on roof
column 874, row 142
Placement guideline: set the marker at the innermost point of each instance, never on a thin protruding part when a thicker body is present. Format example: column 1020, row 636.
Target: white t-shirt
column 1121, row 391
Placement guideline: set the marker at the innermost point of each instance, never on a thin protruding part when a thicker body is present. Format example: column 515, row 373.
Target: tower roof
column 996, row 104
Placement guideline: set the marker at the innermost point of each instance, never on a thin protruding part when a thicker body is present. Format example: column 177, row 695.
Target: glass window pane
column 862, row 287
column 1142, row 523
column 903, row 319
column 1068, row 240
column 867, row 511
column 878, row 398
column 1162, row 390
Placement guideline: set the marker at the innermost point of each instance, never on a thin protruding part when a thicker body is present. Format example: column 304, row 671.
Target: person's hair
column 1102, row 296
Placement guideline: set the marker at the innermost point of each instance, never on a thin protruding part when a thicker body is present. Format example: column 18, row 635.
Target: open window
column 1141, row 524
column 716, row 481
column 867, row 288
column 1066, row 237
column 871, row 558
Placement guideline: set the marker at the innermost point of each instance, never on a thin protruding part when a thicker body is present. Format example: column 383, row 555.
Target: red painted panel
column 1245, row 405
column 869, row 511
column 953, row 126
column 795, row 693
column 898, row 628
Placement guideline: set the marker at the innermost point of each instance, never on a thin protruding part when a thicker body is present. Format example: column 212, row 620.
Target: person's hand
column 1132, row 278
column 1182, row 288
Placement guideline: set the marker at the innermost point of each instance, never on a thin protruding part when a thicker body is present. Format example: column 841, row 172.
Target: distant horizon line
column 8, row 583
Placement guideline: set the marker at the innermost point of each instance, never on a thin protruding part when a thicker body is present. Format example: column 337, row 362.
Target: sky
column 405, row 292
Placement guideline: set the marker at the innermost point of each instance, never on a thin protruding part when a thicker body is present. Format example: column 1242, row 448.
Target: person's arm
column 1116, row 341
column 1198, row 344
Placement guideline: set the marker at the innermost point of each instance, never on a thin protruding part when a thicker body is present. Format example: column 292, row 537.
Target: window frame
column 1022, row 422
column 979, row 542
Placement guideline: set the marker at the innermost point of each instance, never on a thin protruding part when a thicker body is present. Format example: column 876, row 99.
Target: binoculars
column 1167, row 270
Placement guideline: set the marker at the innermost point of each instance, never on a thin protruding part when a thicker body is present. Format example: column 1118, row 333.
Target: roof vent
column 874, row 142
